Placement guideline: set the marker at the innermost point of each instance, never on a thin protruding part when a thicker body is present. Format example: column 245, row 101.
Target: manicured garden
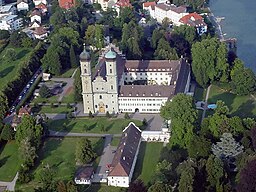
column 9, row 68
column 68, row 73
column 92, row 125
column 148, row 158
column 9, row 161
column 101, row 188
column 60, row 155
column 243, row 106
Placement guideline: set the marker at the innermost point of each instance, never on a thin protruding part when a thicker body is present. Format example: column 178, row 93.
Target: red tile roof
column 66, row 4
column 124, row 3
column 39, row 31
column 166, row 7
column 24, row 111
column 36, row 12
column 41, row 6
column 148, row 4
column 193, row 19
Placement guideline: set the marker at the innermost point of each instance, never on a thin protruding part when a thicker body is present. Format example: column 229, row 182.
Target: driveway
column 10, row 186
column 105, row 159
column 66, row 88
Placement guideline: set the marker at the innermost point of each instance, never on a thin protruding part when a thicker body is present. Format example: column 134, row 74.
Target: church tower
column 112, row 80
column 86, row 76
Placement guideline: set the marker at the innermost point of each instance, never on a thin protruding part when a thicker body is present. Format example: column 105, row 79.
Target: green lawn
column 199, row 94
column 59, row 154
column 9, row 161
column 70, row 98
column 112, row 126
column 115, row 141
column 52, row 99
column 68, row 73
column 9, row 69
column 243, row 106
column 56, row 109
column 148, row 158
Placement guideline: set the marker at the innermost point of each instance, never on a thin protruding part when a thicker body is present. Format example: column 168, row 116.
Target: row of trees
column 206, row 157
column 210, row 63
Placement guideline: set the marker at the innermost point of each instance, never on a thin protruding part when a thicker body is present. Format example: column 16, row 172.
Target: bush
column 144, row 122
column 44, row 91
column 126, row 116
column 4, row 34
column 24, row 176
column 108, row 115
column 7, row 133
column 69, row 106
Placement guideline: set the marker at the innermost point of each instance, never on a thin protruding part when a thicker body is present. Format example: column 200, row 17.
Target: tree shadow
column 92, row 126
column 245, row 110
column 109, row 127
column 4, row 160
column 6, row 71
column 99, row 146
column 22, row 53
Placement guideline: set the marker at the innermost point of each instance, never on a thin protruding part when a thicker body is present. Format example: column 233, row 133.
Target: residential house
column 121, row 4
column 170, row 11
column 10, row 22
column 9, row 9
column 40, row 33
column 150, row 8
column 123, row 164
column 24, row 111
column 106, row 4
column 36, row 15
column 195, row 20
column 66, row 4
column 37, row 2
column 84, row 175
column 42, row 7
column 35, row 24
column 22, row 5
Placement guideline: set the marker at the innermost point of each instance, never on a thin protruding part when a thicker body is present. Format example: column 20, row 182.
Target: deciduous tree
column 44, row 91
column 183, row 115
column 215, row 171
column 7, row 133
column 27, row 152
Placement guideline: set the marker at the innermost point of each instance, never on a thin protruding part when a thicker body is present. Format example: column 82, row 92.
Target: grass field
column 115, row 141
column 101, row 188
column 9, row 161
column 243, row 106
column 70, row 98
column 9, row 69
column 59, row 154
column 68, row 73
column 56, row 109
column 148, row 158
column 52, row 99
column 112, row 126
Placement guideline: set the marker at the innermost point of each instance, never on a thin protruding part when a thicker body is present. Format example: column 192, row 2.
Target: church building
column 118, row 85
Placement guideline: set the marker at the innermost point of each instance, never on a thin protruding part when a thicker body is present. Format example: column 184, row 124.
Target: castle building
column 119, row 85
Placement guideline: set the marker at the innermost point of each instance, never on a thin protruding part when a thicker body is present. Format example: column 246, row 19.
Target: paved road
column 69, row 85
column 105, row 159
column 10, row 186
column 205, row 105
column 67, row 134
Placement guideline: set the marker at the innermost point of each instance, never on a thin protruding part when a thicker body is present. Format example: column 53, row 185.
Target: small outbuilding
column 84, row 175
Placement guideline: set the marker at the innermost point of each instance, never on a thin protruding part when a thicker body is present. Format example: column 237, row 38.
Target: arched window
column 112, row 87
column 110, row 70
column 85, row 71
column 100, row 96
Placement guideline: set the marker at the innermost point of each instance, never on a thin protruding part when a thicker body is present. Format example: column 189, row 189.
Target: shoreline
column 216, row 24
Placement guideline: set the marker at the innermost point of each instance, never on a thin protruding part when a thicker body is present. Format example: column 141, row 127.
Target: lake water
column 240, row 23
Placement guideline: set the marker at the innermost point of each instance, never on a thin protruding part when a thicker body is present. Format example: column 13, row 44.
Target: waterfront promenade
column 216, row 24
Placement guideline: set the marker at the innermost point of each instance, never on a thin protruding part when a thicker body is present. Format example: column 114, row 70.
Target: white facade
column 35, row 18
column 22, row 6
column 163, row 10
column 41, row 36
column 37, row 2
column 106, row 4
column 142, row 105
column 10, row 23
column 119, row 181
column 156, row 136
column 84, row 181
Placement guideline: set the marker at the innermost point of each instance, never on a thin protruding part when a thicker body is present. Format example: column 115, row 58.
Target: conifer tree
column 73, row 59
